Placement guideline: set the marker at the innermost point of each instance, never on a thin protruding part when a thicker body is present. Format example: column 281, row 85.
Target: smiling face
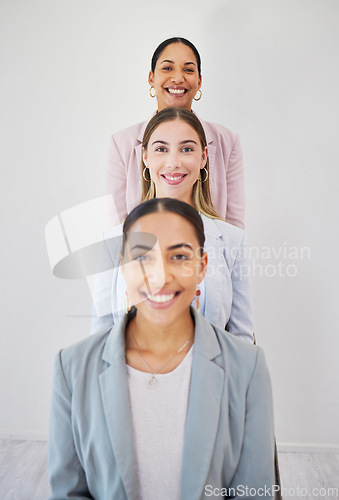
column 174, row 156
column 176, row 78
column 162, row 279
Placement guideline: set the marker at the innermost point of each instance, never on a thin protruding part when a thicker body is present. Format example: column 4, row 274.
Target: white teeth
column 176, row 91
column 160, row 298
column 173, row 178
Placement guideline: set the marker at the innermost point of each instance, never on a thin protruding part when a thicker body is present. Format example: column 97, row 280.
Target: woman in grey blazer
column 163, row 405
column 175, row 164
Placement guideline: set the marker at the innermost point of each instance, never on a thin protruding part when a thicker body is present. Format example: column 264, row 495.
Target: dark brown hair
column 169, row 41
column 165, row 205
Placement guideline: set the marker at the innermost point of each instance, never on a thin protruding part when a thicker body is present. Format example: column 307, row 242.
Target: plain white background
column 75, row 71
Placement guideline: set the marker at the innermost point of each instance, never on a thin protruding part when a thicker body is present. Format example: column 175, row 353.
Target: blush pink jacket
column 225, row 166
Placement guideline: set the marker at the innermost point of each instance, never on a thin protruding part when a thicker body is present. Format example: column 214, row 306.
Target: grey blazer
column 229, row 437
column 228, row 285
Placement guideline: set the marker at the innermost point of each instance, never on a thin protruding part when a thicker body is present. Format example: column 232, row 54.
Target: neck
column 160, row 339
column 187, row 197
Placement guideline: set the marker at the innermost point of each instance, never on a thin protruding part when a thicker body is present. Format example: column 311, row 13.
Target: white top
column 158, row 418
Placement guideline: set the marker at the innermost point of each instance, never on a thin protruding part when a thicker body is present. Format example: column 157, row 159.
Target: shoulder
column 244, row 363
column 232, row 235
column 131, row 135
column 237, row 351
column 113, row 231
column 81, row 361
column 219, row 133
column 239, row 359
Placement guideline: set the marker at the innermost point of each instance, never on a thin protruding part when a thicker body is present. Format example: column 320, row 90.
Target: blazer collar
column 205, row 342
column 206, row 127
column 211, row 228
column 215, row 277
column 142, row 129
column 203, row 408
column 207, row 382
column 115, row 398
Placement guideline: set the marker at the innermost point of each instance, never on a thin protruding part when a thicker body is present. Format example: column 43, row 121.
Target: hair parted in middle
column 176, row 39
column 201, row 196
column 172, row 205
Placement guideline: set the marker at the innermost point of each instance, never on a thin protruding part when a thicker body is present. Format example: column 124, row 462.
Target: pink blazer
column 225, row 163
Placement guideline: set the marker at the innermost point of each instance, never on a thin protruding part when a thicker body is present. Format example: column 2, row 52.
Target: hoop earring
column 144, row 175
column 206, row 176
column 195, row 97
column 150, row 92
column 127, row 304
column 197, row 301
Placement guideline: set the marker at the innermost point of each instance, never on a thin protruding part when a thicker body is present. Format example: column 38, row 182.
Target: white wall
column 72, row 73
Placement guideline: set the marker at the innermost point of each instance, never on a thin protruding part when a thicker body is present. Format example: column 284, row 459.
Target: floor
column 24, row 475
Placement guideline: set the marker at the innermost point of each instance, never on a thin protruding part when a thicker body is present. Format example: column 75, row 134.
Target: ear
column 204, row 157
column 144, row 156
column 200, row 82
column 151, row 78
column 202, row 267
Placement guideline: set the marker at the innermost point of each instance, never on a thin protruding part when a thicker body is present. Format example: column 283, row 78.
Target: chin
column 161, row 318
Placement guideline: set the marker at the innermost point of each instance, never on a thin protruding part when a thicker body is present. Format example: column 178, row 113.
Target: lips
column 162, row 300
column 173, row 179
column 176, row 91
column 159, row 299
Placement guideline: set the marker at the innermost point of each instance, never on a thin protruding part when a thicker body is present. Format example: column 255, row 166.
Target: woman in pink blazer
column 175, row 80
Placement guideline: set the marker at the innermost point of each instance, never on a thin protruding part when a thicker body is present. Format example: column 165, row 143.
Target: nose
column 157, row 275
column 177, row 76
column 173, row 160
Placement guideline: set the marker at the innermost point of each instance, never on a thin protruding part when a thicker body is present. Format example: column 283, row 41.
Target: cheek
column 133, row 277
column 159, row 80
column 154, row 165
column 195, row 164
column 189, row 273
column 194, row 81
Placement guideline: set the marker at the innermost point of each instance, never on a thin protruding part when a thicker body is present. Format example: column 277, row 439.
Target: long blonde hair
column 201, row 196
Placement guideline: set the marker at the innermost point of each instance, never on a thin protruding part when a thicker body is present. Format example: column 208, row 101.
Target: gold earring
column 206, row 177
column 127, row 304
column 198, row 98
column 144, row 175
column 150, row 92
column 197, row 301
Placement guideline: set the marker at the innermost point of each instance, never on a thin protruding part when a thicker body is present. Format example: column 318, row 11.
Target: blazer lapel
column 216, row 269
column 203, row 414
column 212, row 149
column 115, row 398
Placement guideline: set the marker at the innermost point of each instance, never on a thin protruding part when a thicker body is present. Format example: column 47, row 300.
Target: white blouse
column 158, row 418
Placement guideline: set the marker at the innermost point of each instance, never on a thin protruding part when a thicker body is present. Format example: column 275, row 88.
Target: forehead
column 174, row 130
column 168, row 228
column 178, row 52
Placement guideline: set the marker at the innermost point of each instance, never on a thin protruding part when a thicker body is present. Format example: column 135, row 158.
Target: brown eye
column 180, row 256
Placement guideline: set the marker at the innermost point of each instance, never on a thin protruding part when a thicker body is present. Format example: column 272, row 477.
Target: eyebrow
column 172, row 247
column 186, row 141
column 141, row 247
column 171, row 61
column 180, row 245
